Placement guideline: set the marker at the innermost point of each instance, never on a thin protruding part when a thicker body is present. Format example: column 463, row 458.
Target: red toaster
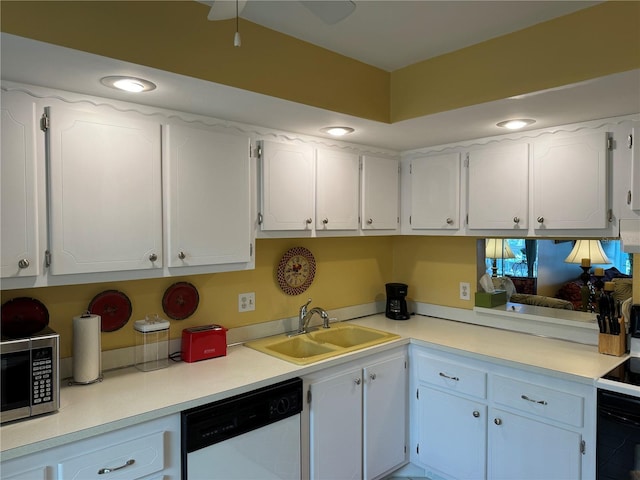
column 201, row 343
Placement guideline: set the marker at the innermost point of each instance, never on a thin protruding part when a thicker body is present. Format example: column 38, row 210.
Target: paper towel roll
column 87, row 348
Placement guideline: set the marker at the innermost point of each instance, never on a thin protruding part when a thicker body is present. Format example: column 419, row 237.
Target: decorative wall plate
column 296, row 270
column 180, row 300
column 23, row 316
column 114, row 308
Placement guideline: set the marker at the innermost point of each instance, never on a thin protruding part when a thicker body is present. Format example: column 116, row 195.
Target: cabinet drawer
column 452, row 376
column 133, row 459
column 545, row 402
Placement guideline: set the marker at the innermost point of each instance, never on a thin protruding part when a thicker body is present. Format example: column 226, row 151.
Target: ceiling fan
column 329, row 11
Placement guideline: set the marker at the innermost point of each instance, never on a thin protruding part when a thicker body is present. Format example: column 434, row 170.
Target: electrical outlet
column 465, row 291
column 247, row 302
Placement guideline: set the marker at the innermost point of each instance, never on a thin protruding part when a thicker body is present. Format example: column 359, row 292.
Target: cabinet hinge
column 418, row 449
column 410, row 168
column 47, row 258
column 466, row 160
column 251, row 249
column 409, row 219
column 418, row 393
column 259, row 218
column 405, row 449
column 610, row 215
column 398, row 169
column 630, row 141
column 44, row 122
column 467, row 219
column 583, row 447
column 405, row 364
column 309, row 396
column 258, row 151
column 398, row 220
column 609, row 143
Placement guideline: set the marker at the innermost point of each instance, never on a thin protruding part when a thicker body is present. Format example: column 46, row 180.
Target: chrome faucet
column 304, row 317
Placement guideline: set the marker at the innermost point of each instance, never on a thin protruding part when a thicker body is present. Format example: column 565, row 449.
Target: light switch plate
column 247, row 302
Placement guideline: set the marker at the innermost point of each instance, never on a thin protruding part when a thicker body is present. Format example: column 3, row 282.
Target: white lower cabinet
column 147, row 451
column 481, row 420
column 358, row 418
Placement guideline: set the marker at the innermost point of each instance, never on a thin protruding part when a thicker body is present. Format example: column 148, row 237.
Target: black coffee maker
column 396, row 303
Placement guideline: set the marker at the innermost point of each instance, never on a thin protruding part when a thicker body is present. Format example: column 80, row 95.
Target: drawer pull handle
column 541, row 402
column 448, row 377
column 109, row 470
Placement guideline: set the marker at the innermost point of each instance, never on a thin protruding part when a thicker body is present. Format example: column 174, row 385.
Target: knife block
column 613, row 344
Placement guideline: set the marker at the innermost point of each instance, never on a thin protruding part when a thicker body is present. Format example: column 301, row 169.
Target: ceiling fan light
column 128, row 84
column 516, row 123
column 337, row 131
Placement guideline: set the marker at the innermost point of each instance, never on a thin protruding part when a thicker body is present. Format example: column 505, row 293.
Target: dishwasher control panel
column 215, row 422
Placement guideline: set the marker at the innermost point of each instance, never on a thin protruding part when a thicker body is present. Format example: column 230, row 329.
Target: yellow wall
column 350, row 271
column 587, row 44
column 176, row 36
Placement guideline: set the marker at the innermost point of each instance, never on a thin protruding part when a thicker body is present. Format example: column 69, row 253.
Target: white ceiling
column 392, row 34
column 404, row 32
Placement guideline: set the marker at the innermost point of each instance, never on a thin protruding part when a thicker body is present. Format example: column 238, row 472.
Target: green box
column 486, row 299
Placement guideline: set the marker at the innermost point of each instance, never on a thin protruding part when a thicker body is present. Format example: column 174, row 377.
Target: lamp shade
column 498, row 248
column 591, row 249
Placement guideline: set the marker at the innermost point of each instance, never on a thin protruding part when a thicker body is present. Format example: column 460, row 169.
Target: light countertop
column 127, row 396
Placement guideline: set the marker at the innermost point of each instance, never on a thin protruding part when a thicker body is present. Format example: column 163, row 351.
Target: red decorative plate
column 23, row 316
column 180, row 300
column 296, row 270
column 114, row 309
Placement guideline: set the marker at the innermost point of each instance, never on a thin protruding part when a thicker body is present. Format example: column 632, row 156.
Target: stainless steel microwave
column 30, row 375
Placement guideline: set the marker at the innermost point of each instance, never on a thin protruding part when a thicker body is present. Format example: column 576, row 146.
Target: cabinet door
column 384, row 416
column 634, row 194
column 287, row 186
column 208, row 197
column 380, row 190
column 452, row 434
column 337, row 190
column 18, row 188
column 336, row 427
column 435, row 192
column 105, row 205
column 499, row 187
column 570, row 182
column 526, row 449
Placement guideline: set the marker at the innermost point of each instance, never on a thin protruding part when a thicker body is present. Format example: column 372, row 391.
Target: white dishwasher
column 255, row 435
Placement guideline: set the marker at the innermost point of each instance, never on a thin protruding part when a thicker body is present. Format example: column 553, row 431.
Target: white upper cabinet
column 633, row 195
column 435, row 192
column 498, row 188
column 380, row 193
column 287, row 186
column 19, row 229
column 105, row 191
column 337, row 178
column 208, row 197
column 570, row 182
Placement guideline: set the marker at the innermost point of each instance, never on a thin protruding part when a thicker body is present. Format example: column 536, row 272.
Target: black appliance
column 396, row 301
column 618, row 449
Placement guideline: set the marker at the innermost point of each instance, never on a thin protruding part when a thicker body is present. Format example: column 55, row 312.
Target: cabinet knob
column 182, row 255
column 516, row 220
column 308, row 221
column 372, row 376
column 153, row 257
column 370, row 221
column 325, row 221
column 24, row 263
column 540, row 219
column 476, row 413
column 358, row 381
column 497, row 421
column 449, row 221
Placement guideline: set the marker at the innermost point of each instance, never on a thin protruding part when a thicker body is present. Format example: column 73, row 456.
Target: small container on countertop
column 152, row 343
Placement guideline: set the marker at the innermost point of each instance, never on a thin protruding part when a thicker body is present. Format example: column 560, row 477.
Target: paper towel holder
column 76, row 353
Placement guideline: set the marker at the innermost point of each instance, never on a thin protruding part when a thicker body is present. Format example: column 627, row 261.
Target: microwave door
column 15, row 388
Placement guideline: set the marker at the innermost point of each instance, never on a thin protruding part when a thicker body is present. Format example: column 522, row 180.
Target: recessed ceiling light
column 337, row 131
column 516, row 123
column 128, row 84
